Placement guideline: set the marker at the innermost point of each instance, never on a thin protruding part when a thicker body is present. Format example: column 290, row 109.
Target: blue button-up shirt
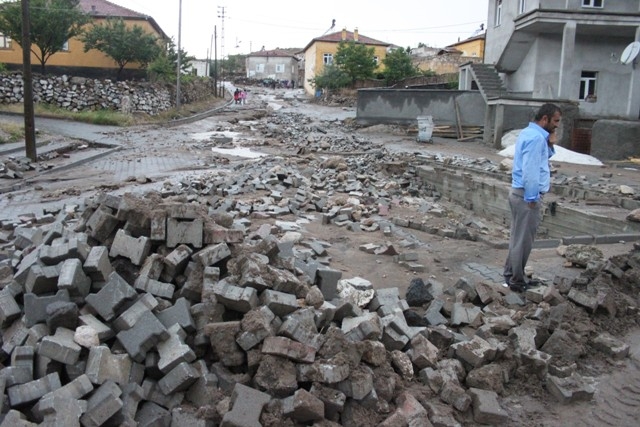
column 531, row 162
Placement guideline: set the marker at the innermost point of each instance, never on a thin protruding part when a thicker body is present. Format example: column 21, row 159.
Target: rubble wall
column 85, row 94
column 403, row 106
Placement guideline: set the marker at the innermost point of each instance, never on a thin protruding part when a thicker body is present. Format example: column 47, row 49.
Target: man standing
column 530, row 180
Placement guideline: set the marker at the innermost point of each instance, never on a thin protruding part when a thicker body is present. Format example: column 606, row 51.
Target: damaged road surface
column 276, row 265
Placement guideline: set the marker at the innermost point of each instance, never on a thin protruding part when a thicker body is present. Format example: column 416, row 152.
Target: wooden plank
column 458, row 121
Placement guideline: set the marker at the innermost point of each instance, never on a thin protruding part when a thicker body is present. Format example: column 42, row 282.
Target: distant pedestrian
column 236, row 96
column 243, row 97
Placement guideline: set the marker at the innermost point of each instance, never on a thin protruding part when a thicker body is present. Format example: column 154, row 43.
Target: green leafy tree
column 398, row 66
column 125, row 45
column 163, row 68
column 52, row 24
column 331, row 77
column 356, row 60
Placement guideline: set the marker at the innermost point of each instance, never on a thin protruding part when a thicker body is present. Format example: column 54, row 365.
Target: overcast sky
column 251, row 24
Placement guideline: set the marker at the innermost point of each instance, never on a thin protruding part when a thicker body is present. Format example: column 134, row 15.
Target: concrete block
column 103, row 403
column 157, row 288
column 176, row 261
column 571, row 389
column 246, row 407
column 327, row 280
column 30, row 392
column 180, row 378
column 302, row 331
column 235, row 297
column 456, row 396
column 285, row 347
column 75, row 389
column 73, row 279
column 97, row 265
column 9, row 308
column 185, row 232
column 476, row 352
column 129, row 317
column 486, row 409
column 212, row 254
column 61, row 314
column 135, row 249
column 25, row 265
column 102, row 366
column 60, row 347
column 333, row 399
column 279, row 303
column 74, row 248
column 303, row 407
column 35, row 307
column 611, row 346
column 13, row 336
column 108, row 301
column 329, row 371
column 174, row 351
column 423, row 353
column 143, row 336
column 42, row 279
column 102, row 224
column 152, row 414
column 178, row 314
column 158, row 231
column 256, row 326
column 152, row 393
column 61, row 411
column 104, row 332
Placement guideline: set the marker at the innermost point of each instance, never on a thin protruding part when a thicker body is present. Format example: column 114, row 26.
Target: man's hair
column 547, row 110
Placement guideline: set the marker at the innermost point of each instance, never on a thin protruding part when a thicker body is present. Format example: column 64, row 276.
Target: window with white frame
column 327, row 59
column 593, row 3
column 259, row 68
column 279, row 68
column 5, row 42
column 588, row 80
column 376, row 60
column 522, row 6
column 498, row 12
column 65, row 46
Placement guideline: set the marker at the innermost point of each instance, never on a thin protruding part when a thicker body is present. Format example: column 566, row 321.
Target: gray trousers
column 524, row 224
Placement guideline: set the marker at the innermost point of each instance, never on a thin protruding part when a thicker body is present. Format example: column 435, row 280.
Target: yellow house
column 321, row 50
column 471, row 47
column 73, row 58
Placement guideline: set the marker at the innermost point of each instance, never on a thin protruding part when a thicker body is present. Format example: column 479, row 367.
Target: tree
column 356, row 60
column 164, row 67
column 53, row 23
column 331, row 77
column 125, row 45
column 398, row 66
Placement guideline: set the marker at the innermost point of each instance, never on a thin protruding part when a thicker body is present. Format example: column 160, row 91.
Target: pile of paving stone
column 166, row 309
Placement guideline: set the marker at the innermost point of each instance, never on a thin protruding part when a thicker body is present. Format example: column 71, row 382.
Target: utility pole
column 27, row 79
column 215, row 63
column 221, row 15
column 210, row 53
column 179, row 64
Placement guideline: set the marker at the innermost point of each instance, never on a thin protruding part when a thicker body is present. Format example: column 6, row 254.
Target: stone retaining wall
column 85, row 94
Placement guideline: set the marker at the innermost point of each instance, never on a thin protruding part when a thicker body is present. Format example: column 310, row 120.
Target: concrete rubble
column 173, row 307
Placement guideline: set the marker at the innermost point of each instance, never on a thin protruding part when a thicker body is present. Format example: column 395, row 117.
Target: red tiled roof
column 105, row 9
column 337, row 38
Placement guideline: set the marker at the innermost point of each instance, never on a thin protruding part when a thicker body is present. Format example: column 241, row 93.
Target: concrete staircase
column 488, row 80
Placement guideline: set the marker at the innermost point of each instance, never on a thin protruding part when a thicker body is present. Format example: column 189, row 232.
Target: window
column 5, row 42
column 259, row 68
column 588, row 86
column 522, row 6
column 498, row 12
column 592, row 3
column 327, row 59
column 376, row 60
column 65, row 46
column 279, row 68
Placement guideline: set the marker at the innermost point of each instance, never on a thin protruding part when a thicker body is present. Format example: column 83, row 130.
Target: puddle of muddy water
column 239, row 152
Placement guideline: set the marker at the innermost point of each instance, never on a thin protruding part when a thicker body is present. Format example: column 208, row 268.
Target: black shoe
column 518, row 287
column 534, row 283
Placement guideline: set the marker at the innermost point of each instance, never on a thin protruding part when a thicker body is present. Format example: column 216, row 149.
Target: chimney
column 344, row 34
column 355, row 35
column 93, row 8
